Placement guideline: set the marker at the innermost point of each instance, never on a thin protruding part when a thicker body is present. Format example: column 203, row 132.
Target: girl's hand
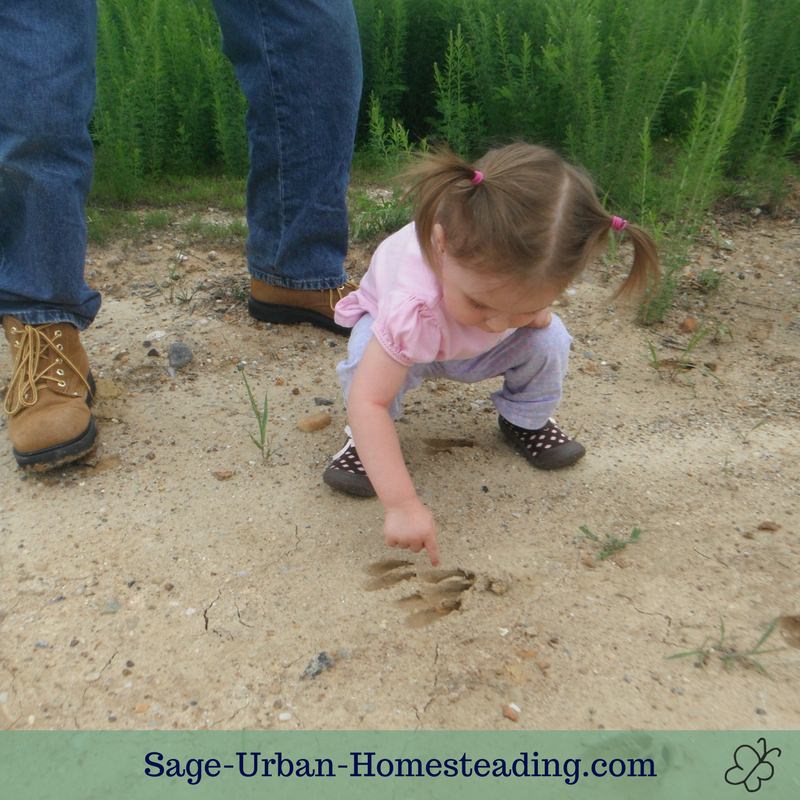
column 541, row 319
column 411, row 526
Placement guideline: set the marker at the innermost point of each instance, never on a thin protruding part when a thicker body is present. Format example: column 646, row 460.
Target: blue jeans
column 299, row 65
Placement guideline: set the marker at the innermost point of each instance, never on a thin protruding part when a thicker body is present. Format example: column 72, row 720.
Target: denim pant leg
column 47, row 56
column 533, row 362
column 299, row 66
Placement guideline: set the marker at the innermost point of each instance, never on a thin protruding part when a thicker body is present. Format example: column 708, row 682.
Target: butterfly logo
column 750, row 767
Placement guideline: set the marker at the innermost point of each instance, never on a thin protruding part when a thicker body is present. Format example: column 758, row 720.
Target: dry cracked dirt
column 177, row 579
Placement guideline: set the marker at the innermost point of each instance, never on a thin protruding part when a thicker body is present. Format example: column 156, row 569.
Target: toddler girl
column 464, row 292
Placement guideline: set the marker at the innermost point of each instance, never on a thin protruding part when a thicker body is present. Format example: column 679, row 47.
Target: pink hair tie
column 618, row 223
column 476, row 178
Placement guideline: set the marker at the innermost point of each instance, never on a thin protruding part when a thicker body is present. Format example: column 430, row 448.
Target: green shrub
column 668, row 105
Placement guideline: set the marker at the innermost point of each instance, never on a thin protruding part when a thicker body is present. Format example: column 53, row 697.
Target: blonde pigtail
column 644, row 273
column 438, row 176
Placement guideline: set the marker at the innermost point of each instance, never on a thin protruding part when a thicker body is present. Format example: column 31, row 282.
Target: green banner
column 138, row 765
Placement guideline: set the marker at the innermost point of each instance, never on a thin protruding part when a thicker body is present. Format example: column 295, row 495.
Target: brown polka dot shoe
column 346, row 473
column 546, row 448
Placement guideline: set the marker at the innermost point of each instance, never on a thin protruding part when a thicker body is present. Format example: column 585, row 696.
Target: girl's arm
column 378, row 379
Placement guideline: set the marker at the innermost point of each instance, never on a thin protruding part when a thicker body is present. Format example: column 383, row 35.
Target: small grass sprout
column 709, row 280
column 611, row 544
column 728, row 654
column 753, row 429
column 374, row 216
column 261, row 415
column 684, row 363
column 654, row 360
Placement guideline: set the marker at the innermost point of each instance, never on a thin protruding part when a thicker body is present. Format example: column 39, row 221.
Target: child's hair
column 521, row 209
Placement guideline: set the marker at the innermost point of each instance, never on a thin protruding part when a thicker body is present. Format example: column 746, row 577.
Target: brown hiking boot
column 278, row 304
column 48, row 399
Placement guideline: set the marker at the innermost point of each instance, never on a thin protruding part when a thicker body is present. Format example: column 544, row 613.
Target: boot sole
column 291, row 315
column 57, row 455
column 347, row 482
column 565, row 455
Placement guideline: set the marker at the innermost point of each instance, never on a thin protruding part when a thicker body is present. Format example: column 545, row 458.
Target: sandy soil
column 177, row 580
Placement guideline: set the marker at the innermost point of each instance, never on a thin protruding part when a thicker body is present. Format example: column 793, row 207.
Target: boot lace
column 341, row 291
column 36, row 363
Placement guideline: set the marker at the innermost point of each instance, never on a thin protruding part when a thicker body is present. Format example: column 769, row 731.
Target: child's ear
column 439, row 240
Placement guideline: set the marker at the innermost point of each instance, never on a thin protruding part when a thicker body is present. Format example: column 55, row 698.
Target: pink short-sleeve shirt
column 404, row 297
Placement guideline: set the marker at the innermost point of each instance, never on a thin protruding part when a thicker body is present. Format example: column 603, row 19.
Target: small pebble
column 322, row 401
column 153, row 353
column 179, row 355
column 768, row 525
column 762, row 712
column 317, row 665
column 511, row 711
column 314, row 422
column 284, row 716
column 42, row 645
column 111, row 607
column 222, row 474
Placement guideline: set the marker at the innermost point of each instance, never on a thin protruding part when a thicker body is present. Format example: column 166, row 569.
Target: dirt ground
column 177, row 580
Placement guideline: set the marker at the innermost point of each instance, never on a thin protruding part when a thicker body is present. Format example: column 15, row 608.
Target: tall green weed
column 162, row 86
column 668, row 105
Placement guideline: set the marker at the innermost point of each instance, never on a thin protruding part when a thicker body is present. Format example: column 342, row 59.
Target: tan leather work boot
column 48, row 399
column 277, row 304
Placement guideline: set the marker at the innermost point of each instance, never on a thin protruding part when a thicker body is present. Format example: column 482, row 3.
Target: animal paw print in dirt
column 436, row 594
